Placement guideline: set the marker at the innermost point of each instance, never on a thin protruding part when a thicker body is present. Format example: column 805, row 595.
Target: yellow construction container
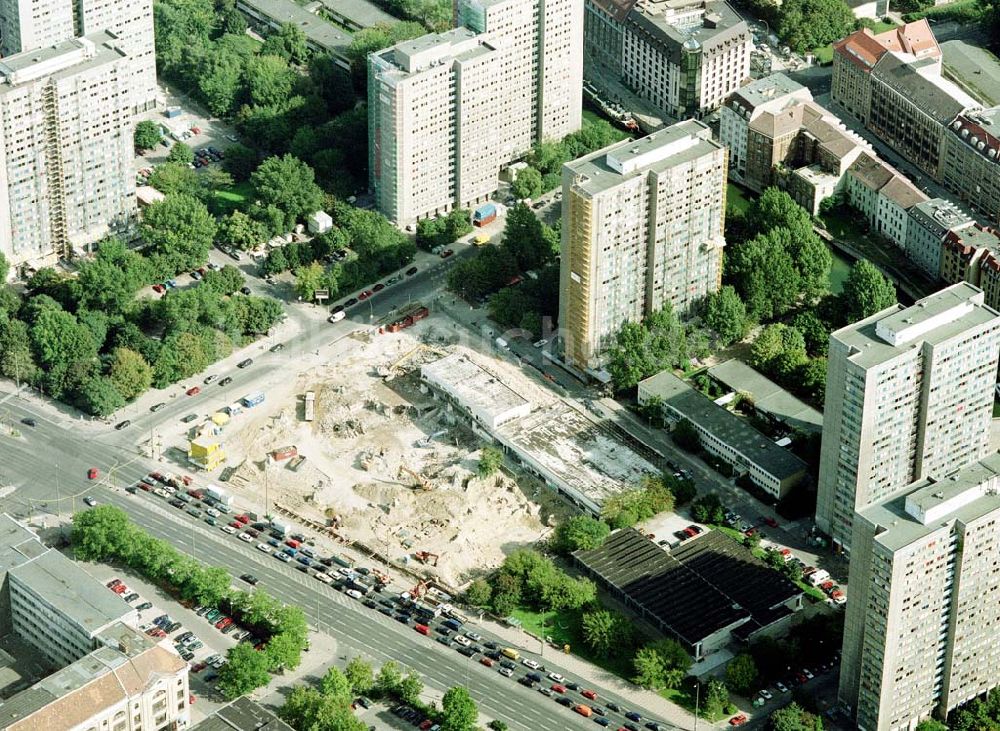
column 220, row 418
column 206, row 453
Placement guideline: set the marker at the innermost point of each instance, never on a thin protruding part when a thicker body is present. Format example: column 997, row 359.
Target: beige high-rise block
column 642, row 228
column 909, row 394
column 921, row 635
column 66, row 177
column 447, row 111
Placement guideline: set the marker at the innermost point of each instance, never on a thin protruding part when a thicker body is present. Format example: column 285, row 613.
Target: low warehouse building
column 698, row 593
column 770, row 467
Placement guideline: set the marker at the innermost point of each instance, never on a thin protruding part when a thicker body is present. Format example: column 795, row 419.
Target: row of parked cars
column 337, row 312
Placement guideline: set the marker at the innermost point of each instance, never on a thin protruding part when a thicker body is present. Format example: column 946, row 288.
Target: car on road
column 225, row 381
column 193, row 391
column 529, row 663
column 229, row 529
column 488, row 662
column 463, row 641
column 411, row 271
column 189, row 418
column 209, row 379
column 91, row 502
column 378, row 287
column 557, row 688
column 771, row 522
column 589, row 694
column 123, row 425
column 354, row 593
column 365, row 295
column 28, row 421
column 556, row 677
column 245, row 537
column 601, row 721
column 196, row 275
column 633, row 716
column 781, row 687
column 545, row 692
column 351, row 302
column 244, row 290
column 156, row 407
column 245, row 363
column 263, row 548
column 93, row 473
column 766, row 694
column 336, row 316
column 144, row 606
column 506, row 672
column 283, row 557
column 738, row 720
column 277, row 347
column 446, row 253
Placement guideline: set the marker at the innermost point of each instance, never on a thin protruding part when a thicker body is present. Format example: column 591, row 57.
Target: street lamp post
column 697, row 698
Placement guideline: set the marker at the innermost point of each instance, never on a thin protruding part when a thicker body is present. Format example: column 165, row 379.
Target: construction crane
column 419, row 590
column 421, row 481
column 427, row 557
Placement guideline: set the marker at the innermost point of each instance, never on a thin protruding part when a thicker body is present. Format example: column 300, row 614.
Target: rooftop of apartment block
column 940, row 215
column 122, row 667
column 58, row 580
column 418, row 54
column 902, row 192
column 689, row 24
column 920, row 84
column 617, row 9
column 836, row 139
column 360, row 12
column 318, row 30
column 925, row 506
column 870, row 172
column 974, row 69
column 724, row 425
column 60, row 60
column 973, row 238
column 242, row 714
column 864, row 48
column 765, row 90
column 980, row 130
column 675, row 145
column 933, row 319
column 767, row 395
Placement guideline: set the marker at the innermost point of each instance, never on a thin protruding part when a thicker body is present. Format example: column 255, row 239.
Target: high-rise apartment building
column 447, row 111
column 909, row 395
column 920, row 636
column 642, row 228
column 66, row 176
column 29, row 25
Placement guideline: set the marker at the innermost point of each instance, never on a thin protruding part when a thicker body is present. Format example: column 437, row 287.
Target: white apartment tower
column 921, row 633
column 65, row 147
column 447, row 111
column 642, row 228
column 909, row 395
column 28, row 25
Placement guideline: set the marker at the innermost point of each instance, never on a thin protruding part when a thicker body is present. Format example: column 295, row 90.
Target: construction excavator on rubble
column 427, row 557
column 420, row 480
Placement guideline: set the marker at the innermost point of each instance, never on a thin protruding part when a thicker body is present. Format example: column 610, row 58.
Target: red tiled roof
column 863, row 48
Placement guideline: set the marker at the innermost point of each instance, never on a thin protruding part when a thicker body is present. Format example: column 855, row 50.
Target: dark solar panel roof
column 703, row 586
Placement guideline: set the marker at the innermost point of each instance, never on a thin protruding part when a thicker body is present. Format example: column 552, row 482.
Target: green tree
column 524, row 238
column 147, row 135
column 714, row 698
column 220, row 80
column 458, row 710
column 726, row 315
column 268, row 81
column 101, row 533
column 686, row 436
column 866, row 291
column 490, row 460
column 336, row 685
column 239, row 231
column 290, row 185
column 17, row 361
column 660, row 665
column 289, row 42
column 497, row 725
column 360, row 675
column 4, row 268
column 129, row 372
column 245, row 670
column 808, row 24
column 308, row 279
column 389, row 678
column 175, row 177
column 813, row 261
column 708, row 509
column 607, row 633
column 814, row 330
column 410, row 688
column 741, row 672
column 479, row 593
column 764, row 274
column 224, row 281
column 180, row 231
column 180, row 153
column 794, row 718
column 240, row 161
column 812, row 379
column 527, row 184
column 931, row 724
column 580, row 532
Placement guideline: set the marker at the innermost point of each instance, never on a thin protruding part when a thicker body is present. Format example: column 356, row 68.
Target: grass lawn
column 564, row 629
column 232, row 198
column 737, row 198
column 684, row 697
column 589, row 115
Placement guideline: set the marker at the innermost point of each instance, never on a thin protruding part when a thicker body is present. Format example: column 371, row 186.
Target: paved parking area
column 207, row 700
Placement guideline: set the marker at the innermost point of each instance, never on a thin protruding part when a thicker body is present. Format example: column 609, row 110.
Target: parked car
column 193, row 391
column 123, row 425
column 245, row 363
